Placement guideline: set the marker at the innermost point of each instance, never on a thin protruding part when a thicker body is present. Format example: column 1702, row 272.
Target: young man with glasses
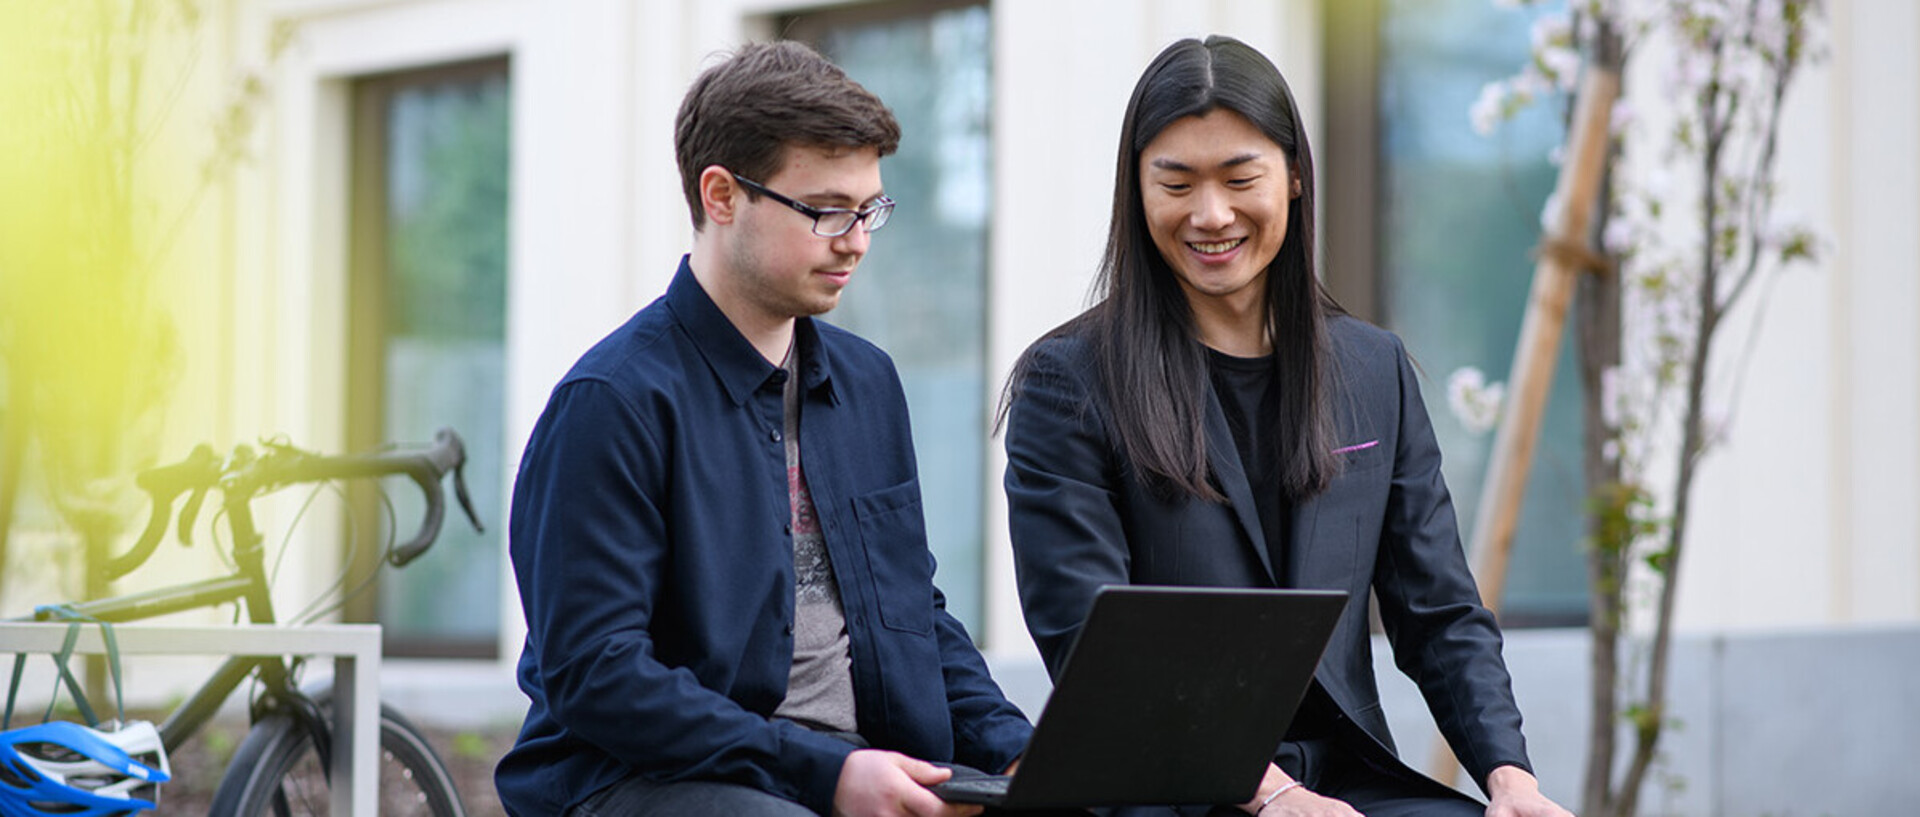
column 717, row 529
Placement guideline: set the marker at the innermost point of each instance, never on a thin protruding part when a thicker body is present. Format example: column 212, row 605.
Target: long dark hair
column 1150, row 363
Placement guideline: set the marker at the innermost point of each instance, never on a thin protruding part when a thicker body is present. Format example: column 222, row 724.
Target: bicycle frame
column 249, row 478
column 248, row 582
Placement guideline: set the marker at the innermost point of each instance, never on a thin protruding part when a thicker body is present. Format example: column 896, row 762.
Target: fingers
column 887, row 784
column 914, row 796
column 922, row 772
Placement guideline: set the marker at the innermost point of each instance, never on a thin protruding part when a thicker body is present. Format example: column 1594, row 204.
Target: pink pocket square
column 1352, row 448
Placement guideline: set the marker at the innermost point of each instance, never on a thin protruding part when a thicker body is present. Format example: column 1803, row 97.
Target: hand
column 1515, row 793
column 874, row 783
column 1303, row 803
column 1296, row 801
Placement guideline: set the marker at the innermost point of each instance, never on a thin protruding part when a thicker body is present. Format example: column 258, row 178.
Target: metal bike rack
column 355, row 649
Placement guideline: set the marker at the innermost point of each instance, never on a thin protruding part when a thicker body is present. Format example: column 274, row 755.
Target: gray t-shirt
column 820, row 685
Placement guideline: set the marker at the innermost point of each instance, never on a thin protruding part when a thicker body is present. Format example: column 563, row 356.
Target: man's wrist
column 1511, row 779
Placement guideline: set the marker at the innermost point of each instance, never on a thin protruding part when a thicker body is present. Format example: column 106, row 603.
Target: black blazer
column 1081, row 518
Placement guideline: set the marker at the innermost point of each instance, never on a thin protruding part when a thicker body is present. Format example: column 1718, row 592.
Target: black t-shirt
column 1247, row 394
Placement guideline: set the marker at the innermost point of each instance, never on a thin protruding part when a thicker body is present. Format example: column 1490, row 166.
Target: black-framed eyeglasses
column 828, row 222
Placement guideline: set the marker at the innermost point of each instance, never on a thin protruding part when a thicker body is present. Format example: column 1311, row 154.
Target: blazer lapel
column 1300, row 541
column 1224, row 458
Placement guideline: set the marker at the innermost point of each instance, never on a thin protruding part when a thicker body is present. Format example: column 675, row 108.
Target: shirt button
column 774, row 436
column 787, row 529
column 789, row 628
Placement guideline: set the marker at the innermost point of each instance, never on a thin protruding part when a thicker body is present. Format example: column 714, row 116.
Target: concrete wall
column 1808, row 723
column 1802, row 723
column 1811, row 723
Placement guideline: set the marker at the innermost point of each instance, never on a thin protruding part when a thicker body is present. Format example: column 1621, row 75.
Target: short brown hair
column 744, row 112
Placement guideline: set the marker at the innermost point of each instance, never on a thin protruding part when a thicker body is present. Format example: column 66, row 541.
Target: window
column 921, row 294
column 427, row 332
column 1430, row 228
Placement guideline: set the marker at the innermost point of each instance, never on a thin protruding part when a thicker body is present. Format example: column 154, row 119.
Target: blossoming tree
column 1689, row 231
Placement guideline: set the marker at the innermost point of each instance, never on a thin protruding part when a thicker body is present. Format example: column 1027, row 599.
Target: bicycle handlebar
column 199, row 471
column 244, row 475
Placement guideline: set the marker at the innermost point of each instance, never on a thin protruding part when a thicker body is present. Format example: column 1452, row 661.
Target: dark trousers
column 636, row 795
column 1326, row 768
column 1332, row 770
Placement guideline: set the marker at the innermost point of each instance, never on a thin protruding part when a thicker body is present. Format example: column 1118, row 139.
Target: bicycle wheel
column 276, row 772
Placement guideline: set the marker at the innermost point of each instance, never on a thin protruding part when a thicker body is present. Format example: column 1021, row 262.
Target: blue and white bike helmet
column 67, row 769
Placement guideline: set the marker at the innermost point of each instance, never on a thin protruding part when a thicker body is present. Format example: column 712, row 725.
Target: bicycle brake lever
column 466, row 502
column 189, row 513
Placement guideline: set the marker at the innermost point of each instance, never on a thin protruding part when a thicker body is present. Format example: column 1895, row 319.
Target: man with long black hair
column 1216, row 419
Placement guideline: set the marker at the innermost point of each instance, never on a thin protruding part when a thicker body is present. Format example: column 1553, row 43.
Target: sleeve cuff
column 810, row 764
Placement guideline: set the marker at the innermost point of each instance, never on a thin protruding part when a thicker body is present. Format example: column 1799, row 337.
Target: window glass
column 1459, row 216
column 433, row 301
column 921, row 292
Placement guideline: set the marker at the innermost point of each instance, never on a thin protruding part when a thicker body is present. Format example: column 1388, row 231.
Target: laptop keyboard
column 996, row 785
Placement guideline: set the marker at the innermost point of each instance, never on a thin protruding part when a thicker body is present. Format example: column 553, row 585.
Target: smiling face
column 1215, row 192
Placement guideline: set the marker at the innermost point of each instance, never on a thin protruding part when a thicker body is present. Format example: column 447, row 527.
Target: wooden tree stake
column 1576, row 194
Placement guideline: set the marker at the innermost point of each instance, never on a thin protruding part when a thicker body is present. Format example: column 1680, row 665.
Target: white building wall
column 1809, row 514
column 1877, row 152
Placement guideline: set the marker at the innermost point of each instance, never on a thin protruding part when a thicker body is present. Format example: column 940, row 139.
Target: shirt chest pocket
column 893, row 540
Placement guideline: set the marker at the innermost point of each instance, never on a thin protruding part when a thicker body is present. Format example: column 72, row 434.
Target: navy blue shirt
column 650, row 546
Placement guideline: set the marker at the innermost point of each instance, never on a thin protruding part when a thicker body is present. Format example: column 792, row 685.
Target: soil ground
column 197, row 766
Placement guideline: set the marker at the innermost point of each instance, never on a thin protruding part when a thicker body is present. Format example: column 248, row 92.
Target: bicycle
column 280, row 767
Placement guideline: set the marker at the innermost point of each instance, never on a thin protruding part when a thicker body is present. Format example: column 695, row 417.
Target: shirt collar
column 734, row 361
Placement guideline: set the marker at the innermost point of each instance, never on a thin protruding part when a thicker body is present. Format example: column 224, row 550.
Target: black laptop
column 1170, row 696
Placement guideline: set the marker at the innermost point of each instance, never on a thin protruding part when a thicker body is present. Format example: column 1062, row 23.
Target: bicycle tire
column 275, row 771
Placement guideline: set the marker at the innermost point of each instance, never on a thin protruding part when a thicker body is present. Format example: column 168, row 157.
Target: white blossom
column 1691, row 69
column 1655, row 185
column 1489, row 109
column 1562, row 65
column 1529, row 84
column 1550, row 213
column 1618, row 237
column 1621, row 116
column 1551, row 31
column 1611, row 397
column 1475, row 402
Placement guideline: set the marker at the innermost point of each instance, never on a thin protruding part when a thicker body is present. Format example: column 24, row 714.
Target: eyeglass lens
column 839, row 222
